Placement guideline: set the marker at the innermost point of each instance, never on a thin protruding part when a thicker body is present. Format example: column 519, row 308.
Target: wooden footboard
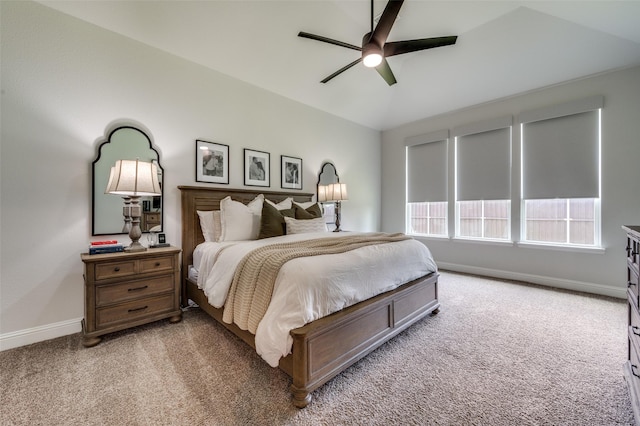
column 326, row 347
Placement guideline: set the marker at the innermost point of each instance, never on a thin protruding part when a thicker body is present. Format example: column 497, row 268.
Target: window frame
column 409, row 218
column 597, row 226
column 594, row 103
column 507, row 239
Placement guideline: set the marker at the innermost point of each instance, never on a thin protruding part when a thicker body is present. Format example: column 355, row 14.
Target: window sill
column 430, row 237
column 505, row 243
column 501, row 243
column 575, row 249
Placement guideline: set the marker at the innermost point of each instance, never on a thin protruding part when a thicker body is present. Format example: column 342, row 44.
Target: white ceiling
column 504, row 47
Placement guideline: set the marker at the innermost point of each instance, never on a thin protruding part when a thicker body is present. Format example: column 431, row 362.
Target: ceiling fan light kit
column 375, row 48
column 372, row 60
column 371, row 53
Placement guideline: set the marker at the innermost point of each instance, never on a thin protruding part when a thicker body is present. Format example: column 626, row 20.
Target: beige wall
column 602, row 273
column 64, row 81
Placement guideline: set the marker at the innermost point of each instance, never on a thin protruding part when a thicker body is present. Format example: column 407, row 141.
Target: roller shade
column 427, row 167
column 483, row 160
column 561, row 151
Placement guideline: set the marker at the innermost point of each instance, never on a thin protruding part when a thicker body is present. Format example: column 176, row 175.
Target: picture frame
column 291, row 172
column 212, row 162
column 257, row 168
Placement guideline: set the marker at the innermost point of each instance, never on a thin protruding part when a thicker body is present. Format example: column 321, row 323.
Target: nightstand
column 150, row 219
column 123, row 290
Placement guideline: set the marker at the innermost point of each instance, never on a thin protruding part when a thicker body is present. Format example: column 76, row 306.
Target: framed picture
column 212, row 162
column 291, row 169
column 257, row 166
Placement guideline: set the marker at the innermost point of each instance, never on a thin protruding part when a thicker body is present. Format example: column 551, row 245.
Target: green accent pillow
column 309, row 213
column 272, row 221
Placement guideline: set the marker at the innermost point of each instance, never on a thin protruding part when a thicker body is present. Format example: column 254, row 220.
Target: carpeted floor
column 498, row 353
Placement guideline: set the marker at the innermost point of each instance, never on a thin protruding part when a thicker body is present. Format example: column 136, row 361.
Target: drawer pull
column 636, row 330
column 137, row 309
column 633, row 370
column 116, row 269
column 629, row 284
column 157, row 263
column 138, row 288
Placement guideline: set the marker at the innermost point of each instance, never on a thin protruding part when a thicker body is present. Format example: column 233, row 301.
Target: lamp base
column 134, row 247
column 135, row 233
column 338, row 215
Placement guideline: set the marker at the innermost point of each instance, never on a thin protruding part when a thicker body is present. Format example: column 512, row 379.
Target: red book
column 102, row 243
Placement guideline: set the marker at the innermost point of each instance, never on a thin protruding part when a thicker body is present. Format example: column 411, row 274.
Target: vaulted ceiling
column 504, row 47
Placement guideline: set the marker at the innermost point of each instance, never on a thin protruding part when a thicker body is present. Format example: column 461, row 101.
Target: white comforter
column 309, row 288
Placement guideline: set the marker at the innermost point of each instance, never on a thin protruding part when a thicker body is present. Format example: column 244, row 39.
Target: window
column 561, row 173
column 562, row 221
column 488, row 219
column 483, row 180
column 428, row 218
column 426, row 160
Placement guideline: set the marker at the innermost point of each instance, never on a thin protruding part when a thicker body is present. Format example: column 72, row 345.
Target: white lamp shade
column 133, row 178
column 337, row 192
column 322, row 193
column 112, row 176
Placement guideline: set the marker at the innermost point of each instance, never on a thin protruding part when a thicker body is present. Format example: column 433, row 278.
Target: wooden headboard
column 199, row 198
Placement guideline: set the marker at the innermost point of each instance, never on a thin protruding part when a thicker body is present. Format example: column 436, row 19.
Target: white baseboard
column 617, row 292
column 39, row 334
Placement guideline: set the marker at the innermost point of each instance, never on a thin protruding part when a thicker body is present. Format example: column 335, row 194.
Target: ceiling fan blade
column 329, row 40
column 385, row 71
column 386, row 21
column 341, row 70
column 399, row 47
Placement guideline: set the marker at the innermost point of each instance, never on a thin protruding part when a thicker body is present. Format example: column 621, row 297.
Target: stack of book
column 108, row 246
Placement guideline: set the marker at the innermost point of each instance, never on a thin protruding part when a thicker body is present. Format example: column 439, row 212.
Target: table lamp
column 134, row 179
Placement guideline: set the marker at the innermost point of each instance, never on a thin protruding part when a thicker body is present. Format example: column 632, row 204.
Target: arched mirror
column 123, row 143
column 328, row 174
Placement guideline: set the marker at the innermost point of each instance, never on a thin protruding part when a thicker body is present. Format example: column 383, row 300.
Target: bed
column 325, row 347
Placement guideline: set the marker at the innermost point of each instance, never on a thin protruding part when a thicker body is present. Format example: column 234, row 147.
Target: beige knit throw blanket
column 254, row 279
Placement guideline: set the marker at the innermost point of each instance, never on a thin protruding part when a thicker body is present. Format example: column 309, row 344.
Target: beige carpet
column 498, row 353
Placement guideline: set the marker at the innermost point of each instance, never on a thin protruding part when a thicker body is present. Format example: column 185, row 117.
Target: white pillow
column 240, row 222
column 303, row 226
column 210, row 222
column 282, row 205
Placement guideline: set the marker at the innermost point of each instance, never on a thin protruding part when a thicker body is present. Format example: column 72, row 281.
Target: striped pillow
column 303, row 226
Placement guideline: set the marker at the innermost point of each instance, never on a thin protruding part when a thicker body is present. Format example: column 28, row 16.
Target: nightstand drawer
column 152, row 217
column 157, row 264
column 129, row 311
column 108, row 294
column 105, row 271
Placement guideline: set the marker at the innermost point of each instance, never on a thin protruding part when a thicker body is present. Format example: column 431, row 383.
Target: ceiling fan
column 375, row 48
